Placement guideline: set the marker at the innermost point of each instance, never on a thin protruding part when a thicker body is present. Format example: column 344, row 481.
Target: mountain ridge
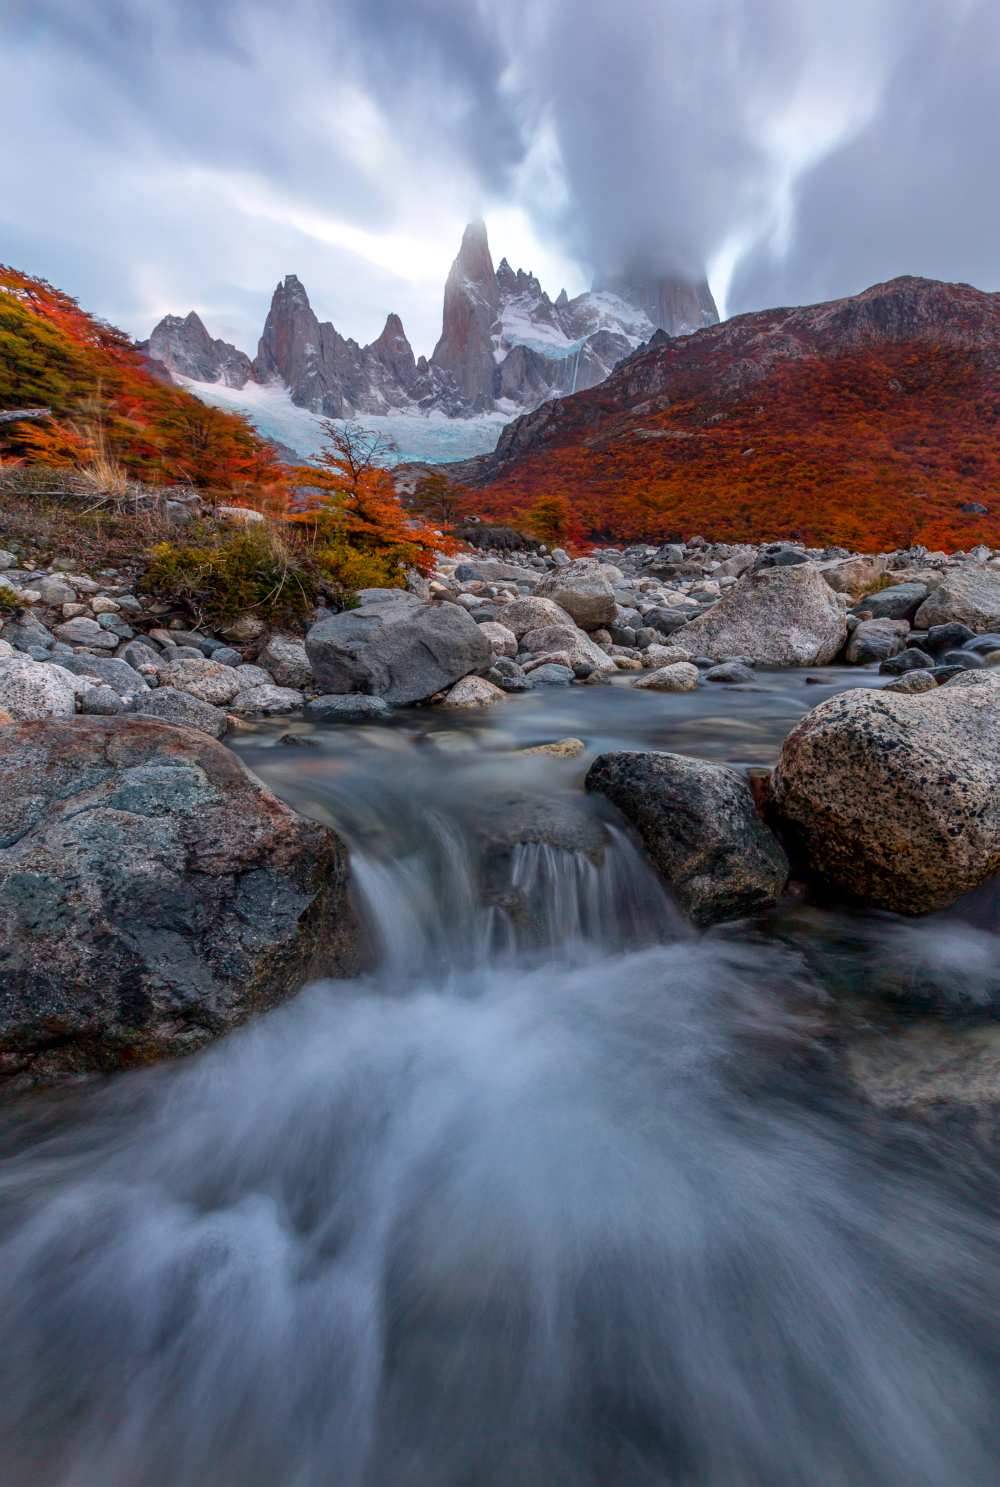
column 504, row 343
column 857, row 421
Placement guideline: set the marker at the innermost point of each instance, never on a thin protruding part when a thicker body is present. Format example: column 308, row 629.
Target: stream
column 558, row 1193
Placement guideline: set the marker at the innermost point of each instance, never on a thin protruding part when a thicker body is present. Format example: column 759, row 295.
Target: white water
column 560, row 1195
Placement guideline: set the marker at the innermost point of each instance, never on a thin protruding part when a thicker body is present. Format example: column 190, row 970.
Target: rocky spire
column 394, row 351
column 471, row 302
column 290, row 345
column 186, row 349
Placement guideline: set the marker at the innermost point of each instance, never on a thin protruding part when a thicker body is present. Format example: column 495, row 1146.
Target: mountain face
column 185, row 348
column 471, row 304
column 676, row 306
column 504, row 343
column 862, row 421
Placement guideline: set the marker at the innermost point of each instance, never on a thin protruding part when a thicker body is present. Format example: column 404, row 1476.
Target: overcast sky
column 162, row 155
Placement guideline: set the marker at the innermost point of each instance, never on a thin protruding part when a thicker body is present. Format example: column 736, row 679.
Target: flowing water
column 558, row 1194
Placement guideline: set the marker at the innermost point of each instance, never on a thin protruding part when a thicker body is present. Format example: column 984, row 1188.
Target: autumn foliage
column 868, row 448
column 349, row 502
column 106, row 402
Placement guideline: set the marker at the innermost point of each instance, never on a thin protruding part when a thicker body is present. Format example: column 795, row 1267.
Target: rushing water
column 559, row 1194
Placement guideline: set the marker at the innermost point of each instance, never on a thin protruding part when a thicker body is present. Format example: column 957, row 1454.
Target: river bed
column 558, row 1193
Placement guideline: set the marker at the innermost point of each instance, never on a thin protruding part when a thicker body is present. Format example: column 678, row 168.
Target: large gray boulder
column 111, row 671
column 876, row 640
column 569, row 640
column 153, row 894
column 894, row 799
column 583, row 589
column 699, row 824
column 35, row 689
column 852, row 576
column 787, row 616
column 900, row 601
column 400, row 651
column 169, row 705
column 969, row 595
column 532, row 613
column 209, row 681
column 84, row 631
column 284, row 656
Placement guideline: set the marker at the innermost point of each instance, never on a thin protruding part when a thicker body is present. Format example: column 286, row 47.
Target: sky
column 167, row 155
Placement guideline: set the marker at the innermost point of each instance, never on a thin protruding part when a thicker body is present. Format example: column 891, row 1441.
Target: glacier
column 428, row 438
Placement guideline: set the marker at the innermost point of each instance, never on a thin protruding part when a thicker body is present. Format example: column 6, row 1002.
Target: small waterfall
column 429, row 912
column 559, row 1193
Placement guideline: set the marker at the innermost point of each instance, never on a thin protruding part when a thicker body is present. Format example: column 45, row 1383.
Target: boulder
column 876, row 640
column 551, row 674
column 700, row 827
column 501, row 641
column 583, row 589
column 153, row 895
column 785, row 616
column 83, row 631
column 852, row 576
column 55, row 590
column 27, row 631
column 894, row 799
column 101, row 702
column 207, row 680
column 680, row 677
column 910, row 659
column 474, row 691
column 730, row 673
column 353, row 708
column 400, row 651
column 170, row 706
column 266, row 701
column 665, row 655
column 36, row 689
column 111, row 671
column 532, row 613
column 570, row 641
column 969, row 595
column 285, row 658
column 898, row 602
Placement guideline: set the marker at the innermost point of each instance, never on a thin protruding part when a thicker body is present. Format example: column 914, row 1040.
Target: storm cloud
column 164, row 154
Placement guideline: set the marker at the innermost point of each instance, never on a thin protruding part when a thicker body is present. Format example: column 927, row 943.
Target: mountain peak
column 471, row 301
column 186, row 349
column 671, row 302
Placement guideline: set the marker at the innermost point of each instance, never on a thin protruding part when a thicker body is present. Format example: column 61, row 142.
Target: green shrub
column 346, row 569
column 255, row 569
column 9, row 602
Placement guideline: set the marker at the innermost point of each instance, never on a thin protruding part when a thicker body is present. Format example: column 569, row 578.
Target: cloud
column 174, row 154
column 914, row 189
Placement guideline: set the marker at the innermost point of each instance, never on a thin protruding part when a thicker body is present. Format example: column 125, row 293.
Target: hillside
column 110, row 403
column 869, row 422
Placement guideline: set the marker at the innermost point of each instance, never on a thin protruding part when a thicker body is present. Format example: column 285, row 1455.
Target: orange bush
column 102, row 393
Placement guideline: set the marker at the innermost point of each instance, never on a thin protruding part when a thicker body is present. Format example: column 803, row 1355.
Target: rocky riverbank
column 152, row 896
column 485, row 627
